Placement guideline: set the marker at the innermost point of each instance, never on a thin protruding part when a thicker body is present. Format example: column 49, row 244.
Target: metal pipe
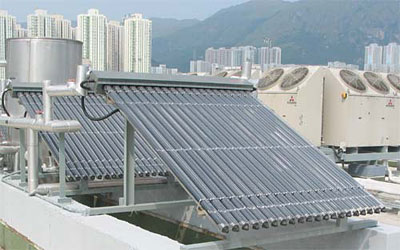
column 8, row 150
column 16, row 162
column 81, row 75
column 246, row 70
column 37, row 124
column 62, row 90
column 47, row 102
column 33, row 158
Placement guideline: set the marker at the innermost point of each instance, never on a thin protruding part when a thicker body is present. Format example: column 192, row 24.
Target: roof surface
column 97, row 150
column 242, row 164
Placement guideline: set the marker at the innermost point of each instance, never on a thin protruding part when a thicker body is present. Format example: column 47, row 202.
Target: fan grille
column 293, row 78
column 394, row 81
column 268, row 81
column 376, row 82
column 352, row 80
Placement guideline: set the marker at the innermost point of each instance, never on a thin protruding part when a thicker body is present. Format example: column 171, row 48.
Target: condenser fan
column 293, row 78
column 394, row 81
column 376, row 82
column 269, row 79
column 352, row 80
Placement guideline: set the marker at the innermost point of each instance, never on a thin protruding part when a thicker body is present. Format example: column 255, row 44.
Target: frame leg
column 22, row 150
column 61, row 165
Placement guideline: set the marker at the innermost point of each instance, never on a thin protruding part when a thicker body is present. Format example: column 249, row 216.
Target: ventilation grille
column 292, row 79
column 352, row 80
column 394, row 81
column 270, row 79
column 376, row 82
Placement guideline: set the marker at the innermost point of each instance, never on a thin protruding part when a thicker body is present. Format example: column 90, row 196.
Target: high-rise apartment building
column 63, row 27
column 92, row 31
column 114, row 46
column 391, row 58
column 41, row 24
column 373, row 57
column 7, row 30
column 200, row 66
column 20, row 32
column 237, row 56
column 382, row 58
column 137, row 44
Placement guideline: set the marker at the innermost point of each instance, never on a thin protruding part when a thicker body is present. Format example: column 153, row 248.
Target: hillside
column 309, row 31
column 165, row 26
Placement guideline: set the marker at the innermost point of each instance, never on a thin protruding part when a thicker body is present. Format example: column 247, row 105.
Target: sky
column 117, row 9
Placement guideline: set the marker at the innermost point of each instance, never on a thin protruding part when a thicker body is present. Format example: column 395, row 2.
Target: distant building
column 343, row 65
column 236, row 56
column 7, row 30
column 92, row 31
column 114, row 46
column 162, row 69
column 63, row 27
column 391, row 58
column 20, row 32
column 41, row 24
column 200, row 66
column 269, row 57
column 373, row 57
column 137, row 44
column 382, row 58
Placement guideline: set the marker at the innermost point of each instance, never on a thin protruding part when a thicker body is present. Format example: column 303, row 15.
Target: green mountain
column 165, row 26
column 308, row 31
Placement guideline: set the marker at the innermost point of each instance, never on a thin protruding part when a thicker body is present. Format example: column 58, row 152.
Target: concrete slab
column 51, row 227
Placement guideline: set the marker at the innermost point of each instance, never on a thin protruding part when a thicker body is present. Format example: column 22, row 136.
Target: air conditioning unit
column 296, row 94
column 335, row 107
column 358, row 110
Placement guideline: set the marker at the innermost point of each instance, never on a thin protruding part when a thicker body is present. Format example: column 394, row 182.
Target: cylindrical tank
column 39, row 59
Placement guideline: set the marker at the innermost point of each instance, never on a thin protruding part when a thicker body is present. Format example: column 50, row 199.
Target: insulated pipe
column 81, row 75
column 8, row 150
column 38, row 124
column 47, row 102
column 33, row 160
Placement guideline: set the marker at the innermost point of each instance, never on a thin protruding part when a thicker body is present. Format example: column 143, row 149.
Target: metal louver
column 376, row 82
column 352, row 80
column 270, row 79
column 394, row 81
column 292, row 79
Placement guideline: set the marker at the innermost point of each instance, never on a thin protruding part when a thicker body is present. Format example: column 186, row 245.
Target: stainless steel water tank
column 38, row 59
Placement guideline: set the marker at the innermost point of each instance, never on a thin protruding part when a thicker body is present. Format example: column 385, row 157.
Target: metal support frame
column 371, row 156
column 139, row 207
column 61, row 166
column 129, row 165
column 339, row 227
column 22, row 150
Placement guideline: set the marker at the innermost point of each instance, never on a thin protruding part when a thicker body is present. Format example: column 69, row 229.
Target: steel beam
column 129, row 165
column 371, row 156
column 139, row 207
column 61, row 166
column 22, row 150
column 282, row 236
